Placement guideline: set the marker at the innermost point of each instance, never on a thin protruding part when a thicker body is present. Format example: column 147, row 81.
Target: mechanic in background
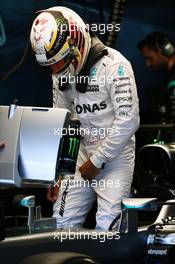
column 159, row 53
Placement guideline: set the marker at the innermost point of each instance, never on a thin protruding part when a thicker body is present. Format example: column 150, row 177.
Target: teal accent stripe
column 170, row 84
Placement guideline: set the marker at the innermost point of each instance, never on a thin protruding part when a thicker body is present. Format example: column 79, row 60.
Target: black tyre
column 59, row 258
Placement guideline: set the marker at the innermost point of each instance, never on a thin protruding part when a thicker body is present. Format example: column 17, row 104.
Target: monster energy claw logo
column 73, row 146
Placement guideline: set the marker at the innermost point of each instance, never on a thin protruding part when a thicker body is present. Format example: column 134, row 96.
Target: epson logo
column 123, row 99
column 157, row 252
column 90, row 108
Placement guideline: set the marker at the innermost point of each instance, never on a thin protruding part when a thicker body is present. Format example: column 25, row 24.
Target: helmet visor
column 61, row 65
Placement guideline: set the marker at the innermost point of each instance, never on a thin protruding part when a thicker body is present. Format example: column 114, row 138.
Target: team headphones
column 164, row 44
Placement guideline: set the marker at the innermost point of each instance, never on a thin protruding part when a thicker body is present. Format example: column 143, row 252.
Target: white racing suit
column 109, row 114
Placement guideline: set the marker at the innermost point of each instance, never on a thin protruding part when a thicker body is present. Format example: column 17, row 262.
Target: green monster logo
column 73, row 146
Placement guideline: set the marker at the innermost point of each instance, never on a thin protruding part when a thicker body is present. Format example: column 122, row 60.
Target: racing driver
column 96, row 83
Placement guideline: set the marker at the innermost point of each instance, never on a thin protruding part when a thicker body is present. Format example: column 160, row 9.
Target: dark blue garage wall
column 28, row 84
column 33, row 87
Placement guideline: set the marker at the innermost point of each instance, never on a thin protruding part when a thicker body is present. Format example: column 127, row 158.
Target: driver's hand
column 88, row 171
column 2, row 144
column 52, row 192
